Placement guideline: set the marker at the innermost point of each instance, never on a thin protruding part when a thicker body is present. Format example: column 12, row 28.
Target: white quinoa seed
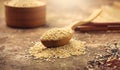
column 24, row 3
column 74, row 47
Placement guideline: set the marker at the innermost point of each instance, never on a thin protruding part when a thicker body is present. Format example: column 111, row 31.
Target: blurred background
column 69, row 10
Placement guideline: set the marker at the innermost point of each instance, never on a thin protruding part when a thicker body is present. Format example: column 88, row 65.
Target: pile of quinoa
column 74, row 47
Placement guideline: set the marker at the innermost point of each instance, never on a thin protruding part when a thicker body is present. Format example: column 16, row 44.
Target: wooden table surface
column 14, row 43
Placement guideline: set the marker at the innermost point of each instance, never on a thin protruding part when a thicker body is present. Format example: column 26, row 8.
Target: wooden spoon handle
column 89, row 19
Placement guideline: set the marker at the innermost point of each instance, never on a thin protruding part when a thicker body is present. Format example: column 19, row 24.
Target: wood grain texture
column 14, row 43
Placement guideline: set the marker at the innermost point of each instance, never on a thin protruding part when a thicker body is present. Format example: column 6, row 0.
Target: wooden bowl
column 25, row 17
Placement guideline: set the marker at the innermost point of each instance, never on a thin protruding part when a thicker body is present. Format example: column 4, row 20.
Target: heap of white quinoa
column 56, row 34
column 74, row 47
column 24, row 3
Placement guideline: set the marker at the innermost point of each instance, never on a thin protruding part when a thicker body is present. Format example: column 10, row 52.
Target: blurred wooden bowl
column 25, row 17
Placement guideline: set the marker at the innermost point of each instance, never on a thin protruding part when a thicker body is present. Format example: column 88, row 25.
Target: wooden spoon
column 60, row 36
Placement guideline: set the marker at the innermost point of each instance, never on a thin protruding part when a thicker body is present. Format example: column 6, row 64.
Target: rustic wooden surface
column 14, row 43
